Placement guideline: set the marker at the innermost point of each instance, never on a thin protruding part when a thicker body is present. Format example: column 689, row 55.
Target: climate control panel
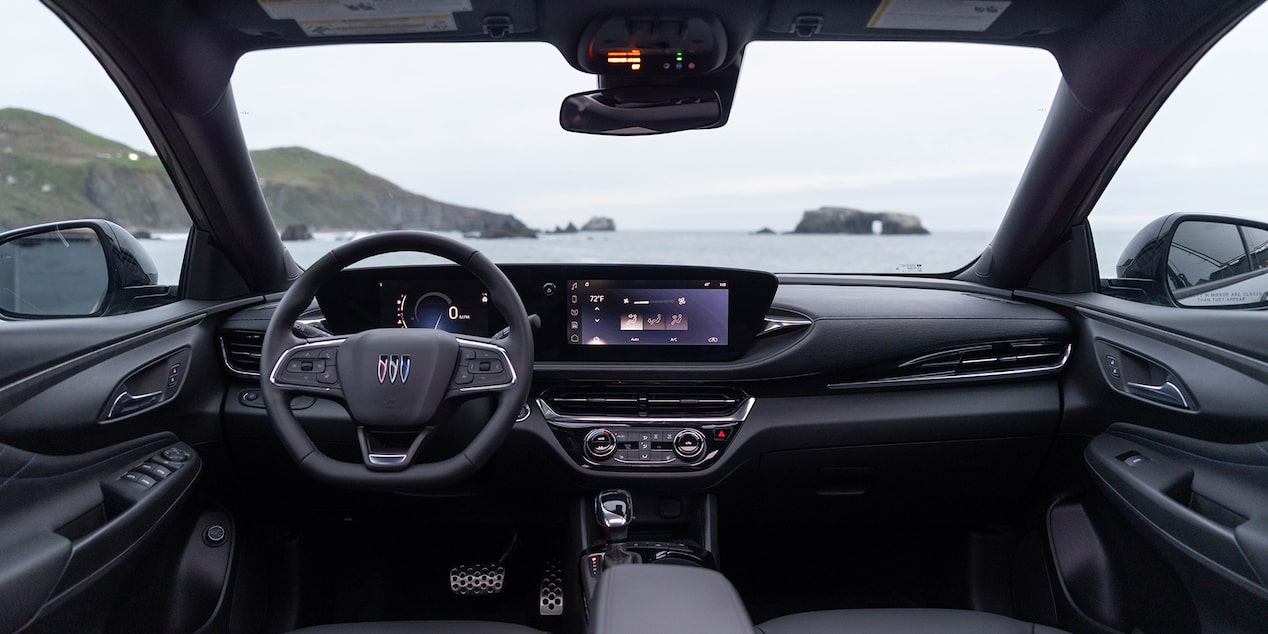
column 646, row 446
column 615, row 430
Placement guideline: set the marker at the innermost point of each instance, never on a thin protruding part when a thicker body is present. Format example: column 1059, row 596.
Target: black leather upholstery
column 420, row 627
column 640, row 598
column 896, row 621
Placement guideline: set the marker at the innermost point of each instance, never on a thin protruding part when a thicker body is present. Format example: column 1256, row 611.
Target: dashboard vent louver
column 1004, row 357
column 980, row 362
column 658, row 402
column 241, row 352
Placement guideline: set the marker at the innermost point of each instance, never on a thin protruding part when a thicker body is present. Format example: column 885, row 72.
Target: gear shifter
column 614, row 509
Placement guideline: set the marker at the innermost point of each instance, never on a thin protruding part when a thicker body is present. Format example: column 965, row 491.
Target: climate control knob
column 600, row 443
column 688, row 444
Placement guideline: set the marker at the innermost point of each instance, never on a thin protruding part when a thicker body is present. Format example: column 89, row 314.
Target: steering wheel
column 397, row 384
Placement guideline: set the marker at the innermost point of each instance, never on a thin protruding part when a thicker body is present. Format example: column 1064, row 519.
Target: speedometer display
column 440, row 306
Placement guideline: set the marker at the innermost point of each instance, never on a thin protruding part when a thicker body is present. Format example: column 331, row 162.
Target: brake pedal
column 552, row 590
column 473, row 580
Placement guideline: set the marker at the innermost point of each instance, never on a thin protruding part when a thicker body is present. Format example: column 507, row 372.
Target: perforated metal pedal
column 471, row 580
column 552, row 590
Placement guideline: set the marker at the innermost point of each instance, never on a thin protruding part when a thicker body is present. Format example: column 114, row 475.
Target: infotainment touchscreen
column 647, row 312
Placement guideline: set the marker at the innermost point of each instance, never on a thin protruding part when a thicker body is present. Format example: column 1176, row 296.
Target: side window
column 72, row 150
column 1185, row 219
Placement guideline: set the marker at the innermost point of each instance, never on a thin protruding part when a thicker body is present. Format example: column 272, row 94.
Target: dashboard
column 587, row 312
column 686, row 373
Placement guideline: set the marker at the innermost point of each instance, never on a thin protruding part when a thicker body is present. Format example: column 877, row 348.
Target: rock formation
column 846, row 220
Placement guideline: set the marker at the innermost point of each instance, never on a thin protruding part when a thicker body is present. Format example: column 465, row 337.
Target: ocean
column 778, row 253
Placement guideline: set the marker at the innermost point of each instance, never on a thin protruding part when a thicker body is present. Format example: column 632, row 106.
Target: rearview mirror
column 1201, row 261
column 638, row 110
column 72, row 269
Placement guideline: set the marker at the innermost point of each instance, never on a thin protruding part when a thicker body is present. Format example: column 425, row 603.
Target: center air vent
column 241, row 352
column 653, row 402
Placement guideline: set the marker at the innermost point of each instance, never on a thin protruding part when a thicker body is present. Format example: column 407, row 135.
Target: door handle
column 1167, row 393
column 126, row 403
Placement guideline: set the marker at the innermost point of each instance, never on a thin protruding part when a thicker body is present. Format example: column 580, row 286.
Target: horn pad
column 396, row 377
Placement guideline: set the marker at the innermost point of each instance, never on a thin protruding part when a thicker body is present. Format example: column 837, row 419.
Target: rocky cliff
column 846, row 220
column 51, row 170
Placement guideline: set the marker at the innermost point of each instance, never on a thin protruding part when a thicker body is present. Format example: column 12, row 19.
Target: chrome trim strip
column 306, row 388
column 927, row 379
column 581, row 421
column 387, row 458
column 506, row 360
column 776, row 324
column 224, row 358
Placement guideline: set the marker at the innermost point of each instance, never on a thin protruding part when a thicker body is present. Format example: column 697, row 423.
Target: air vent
column 650, row 403
column 1007, row 356
column 1003, row 359
column 241, row 352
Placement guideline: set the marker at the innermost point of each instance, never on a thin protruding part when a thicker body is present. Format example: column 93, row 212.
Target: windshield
column 828, row 144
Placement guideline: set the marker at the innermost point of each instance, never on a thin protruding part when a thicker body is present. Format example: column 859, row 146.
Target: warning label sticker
column 367, row 17
column 421, row 24
column 938, row 15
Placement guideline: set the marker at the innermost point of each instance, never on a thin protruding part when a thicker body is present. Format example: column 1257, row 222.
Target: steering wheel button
column 487, row 354
column 463, row 378
column 329, row 377
column 302, row 378
column 329, row 355
column 466, row 354
column 487, row 379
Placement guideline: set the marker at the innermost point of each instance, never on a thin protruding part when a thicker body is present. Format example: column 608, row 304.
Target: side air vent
column 241, row 352
column 657, row 403
column 1003, row 359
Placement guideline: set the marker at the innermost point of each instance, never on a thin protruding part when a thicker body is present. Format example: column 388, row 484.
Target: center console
column 663, row 555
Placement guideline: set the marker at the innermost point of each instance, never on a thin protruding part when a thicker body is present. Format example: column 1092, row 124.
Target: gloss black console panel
column 588, row 312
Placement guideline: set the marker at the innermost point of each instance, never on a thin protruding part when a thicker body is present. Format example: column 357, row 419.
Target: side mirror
column 72, row 269
column 1200, row 261
column 638, row 110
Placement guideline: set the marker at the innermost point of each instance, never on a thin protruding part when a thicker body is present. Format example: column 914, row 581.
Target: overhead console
column 588, row 312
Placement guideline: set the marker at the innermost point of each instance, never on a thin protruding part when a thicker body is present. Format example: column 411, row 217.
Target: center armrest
column 637, row 598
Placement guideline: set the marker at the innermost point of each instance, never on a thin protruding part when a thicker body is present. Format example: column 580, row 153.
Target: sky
column 942, row 131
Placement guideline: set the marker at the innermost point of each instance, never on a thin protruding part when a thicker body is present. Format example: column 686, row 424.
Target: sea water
column 778, row 253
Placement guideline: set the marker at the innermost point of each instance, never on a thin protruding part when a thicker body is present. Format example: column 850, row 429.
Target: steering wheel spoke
column 390, row 450
column 483, row 366
column 310, row 368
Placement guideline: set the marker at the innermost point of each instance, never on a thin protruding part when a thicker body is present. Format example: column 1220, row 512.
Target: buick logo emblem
column 392, row 367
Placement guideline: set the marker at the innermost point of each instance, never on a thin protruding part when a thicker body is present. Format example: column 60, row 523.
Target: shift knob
column 614, row 510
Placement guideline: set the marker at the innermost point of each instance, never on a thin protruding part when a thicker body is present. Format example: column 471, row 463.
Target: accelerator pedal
column 552, row 590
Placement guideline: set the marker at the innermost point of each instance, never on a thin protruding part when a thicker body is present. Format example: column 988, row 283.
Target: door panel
column 65, row 521
column 1189, row 474
column 85, row 485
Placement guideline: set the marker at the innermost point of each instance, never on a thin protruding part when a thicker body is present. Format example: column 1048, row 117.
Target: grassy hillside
column 52, row 170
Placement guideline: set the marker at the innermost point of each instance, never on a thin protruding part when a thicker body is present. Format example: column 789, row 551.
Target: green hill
column 52, row 170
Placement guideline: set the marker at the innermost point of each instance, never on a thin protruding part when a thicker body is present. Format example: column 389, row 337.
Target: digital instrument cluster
column 458, row 308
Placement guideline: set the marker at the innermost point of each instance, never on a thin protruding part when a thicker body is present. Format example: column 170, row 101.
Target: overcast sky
column 942, row 131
